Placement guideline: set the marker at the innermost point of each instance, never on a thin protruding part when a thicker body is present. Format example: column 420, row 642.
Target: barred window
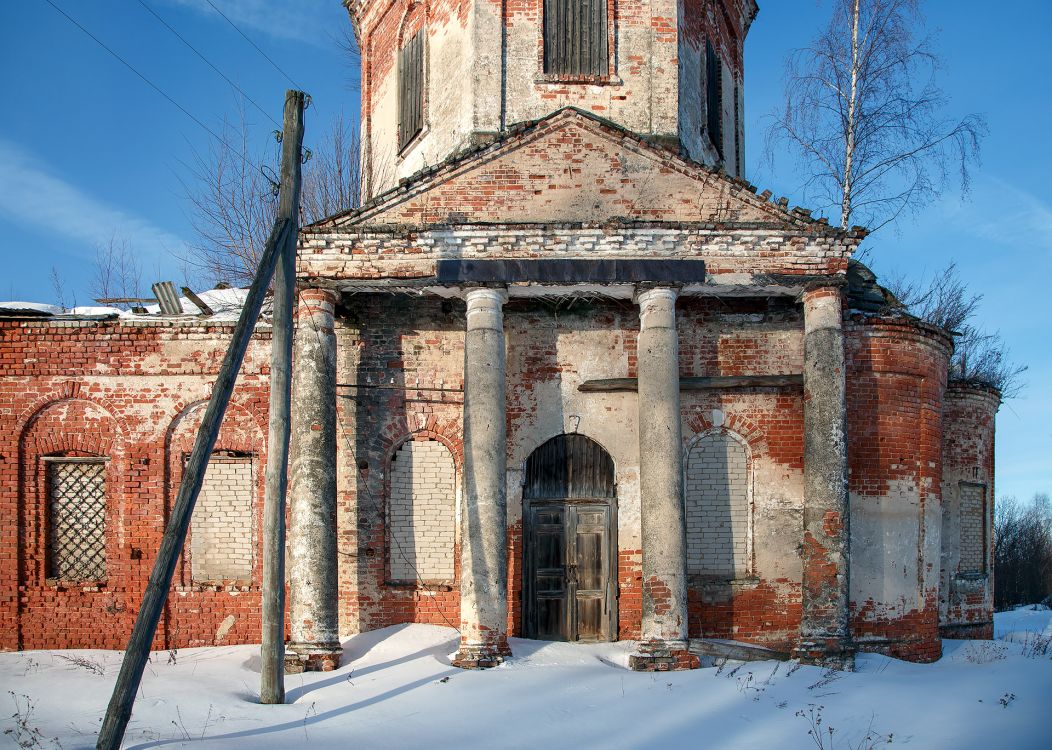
column 973, row 528
column 714, row 96
column 76, row 490
column 411, row 89
column 575, row 38
column 221, row 528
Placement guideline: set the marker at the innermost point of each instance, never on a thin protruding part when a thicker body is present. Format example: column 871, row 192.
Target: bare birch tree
column 865, row 117
column 232, row 202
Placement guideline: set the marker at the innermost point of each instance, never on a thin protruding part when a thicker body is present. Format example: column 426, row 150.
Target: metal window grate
column 77, row 520
column 575, row 38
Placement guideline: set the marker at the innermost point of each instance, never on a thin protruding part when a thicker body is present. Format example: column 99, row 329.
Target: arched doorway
column 570, row 565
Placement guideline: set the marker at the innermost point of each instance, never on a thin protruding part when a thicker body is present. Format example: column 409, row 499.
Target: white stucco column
column 313, row 612
column 484, row 539
column 824, row 626
column 664, row 637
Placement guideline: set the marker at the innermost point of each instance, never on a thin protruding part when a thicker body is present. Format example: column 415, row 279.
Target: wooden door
column 570, row 551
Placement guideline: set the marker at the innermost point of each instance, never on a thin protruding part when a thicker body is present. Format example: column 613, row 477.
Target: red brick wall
column 130, row 393
column 896, row 378
column 134, row 393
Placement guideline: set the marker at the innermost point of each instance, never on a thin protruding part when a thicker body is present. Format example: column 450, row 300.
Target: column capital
column 648, row 294
column 318, row 297
column 491, row 294
column 657, row 307
column 485, row 308
column 823, row 308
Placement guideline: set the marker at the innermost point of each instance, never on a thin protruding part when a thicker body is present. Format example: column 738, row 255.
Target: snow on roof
column 94, row 310
column 225, row 305
column 30, row 308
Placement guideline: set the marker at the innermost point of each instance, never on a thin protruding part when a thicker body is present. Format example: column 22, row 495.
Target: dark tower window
column 411, row 89
column 714, row 96
column 575, row 38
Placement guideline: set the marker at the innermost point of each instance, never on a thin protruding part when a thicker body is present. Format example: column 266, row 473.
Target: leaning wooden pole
column 272, row 672
column 138, row 651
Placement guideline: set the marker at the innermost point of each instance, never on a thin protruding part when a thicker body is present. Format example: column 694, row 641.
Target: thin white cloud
column 32, row 194
column 301, row 20
column 1004, row 214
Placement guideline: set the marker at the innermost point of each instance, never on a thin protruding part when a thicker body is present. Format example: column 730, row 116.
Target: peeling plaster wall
column 448, row 104
column 484, row 71
column 896, row 379
column 751, row 338
column 551, row 350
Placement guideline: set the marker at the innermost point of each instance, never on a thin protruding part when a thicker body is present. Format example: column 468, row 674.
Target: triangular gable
column 571, row 167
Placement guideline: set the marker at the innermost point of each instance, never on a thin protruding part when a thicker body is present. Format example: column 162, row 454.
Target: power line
column 245, row 36
column 209, row 63
column 153, row 85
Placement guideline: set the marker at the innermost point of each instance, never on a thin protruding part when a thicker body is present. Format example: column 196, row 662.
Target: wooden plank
column 119, row 710
column 609, row 385
column 272, row 664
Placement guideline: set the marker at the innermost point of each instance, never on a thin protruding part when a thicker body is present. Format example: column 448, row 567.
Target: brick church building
column 564, row 375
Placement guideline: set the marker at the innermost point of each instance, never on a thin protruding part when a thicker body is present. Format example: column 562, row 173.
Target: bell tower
column 442, row 76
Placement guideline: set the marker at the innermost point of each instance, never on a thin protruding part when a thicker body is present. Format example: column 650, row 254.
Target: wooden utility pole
column 272, row 672
column 282, row 237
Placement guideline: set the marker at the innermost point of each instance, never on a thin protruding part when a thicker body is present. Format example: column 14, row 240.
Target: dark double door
column 570, row 552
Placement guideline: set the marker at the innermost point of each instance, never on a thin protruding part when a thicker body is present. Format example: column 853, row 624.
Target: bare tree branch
column 978, row 357
column 232, row 204
column 117, row 273
column 864, row 116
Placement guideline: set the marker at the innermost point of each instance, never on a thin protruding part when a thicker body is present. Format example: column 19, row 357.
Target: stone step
column 716, row 648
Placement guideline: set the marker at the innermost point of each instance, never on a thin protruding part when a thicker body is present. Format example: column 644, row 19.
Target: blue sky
column 87, row 150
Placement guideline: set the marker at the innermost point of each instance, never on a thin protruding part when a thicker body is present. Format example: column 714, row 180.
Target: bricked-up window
column 973, row 529
column 714, row 97
column 411, row 89
column 76, row 519
column 717, row 507
column 221, row 527
column 575, row 38
column 422, row 512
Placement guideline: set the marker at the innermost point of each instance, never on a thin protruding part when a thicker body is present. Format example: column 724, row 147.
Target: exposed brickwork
column 126, row 392
column 896, row 378
column 484, row 70
column 145, row 426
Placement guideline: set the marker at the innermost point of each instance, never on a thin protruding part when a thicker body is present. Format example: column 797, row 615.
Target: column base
column 830, row 653
column 482, row 656
column 663, row 656
column 312, row 657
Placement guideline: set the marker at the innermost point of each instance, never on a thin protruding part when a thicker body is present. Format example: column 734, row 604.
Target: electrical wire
column 246, row 38
column 209, row 63
column 153, row 85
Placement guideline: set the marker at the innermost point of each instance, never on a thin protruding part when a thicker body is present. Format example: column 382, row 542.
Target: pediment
column 571, row 168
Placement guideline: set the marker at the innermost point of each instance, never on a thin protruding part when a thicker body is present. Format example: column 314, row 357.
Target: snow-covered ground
column 396, row 689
